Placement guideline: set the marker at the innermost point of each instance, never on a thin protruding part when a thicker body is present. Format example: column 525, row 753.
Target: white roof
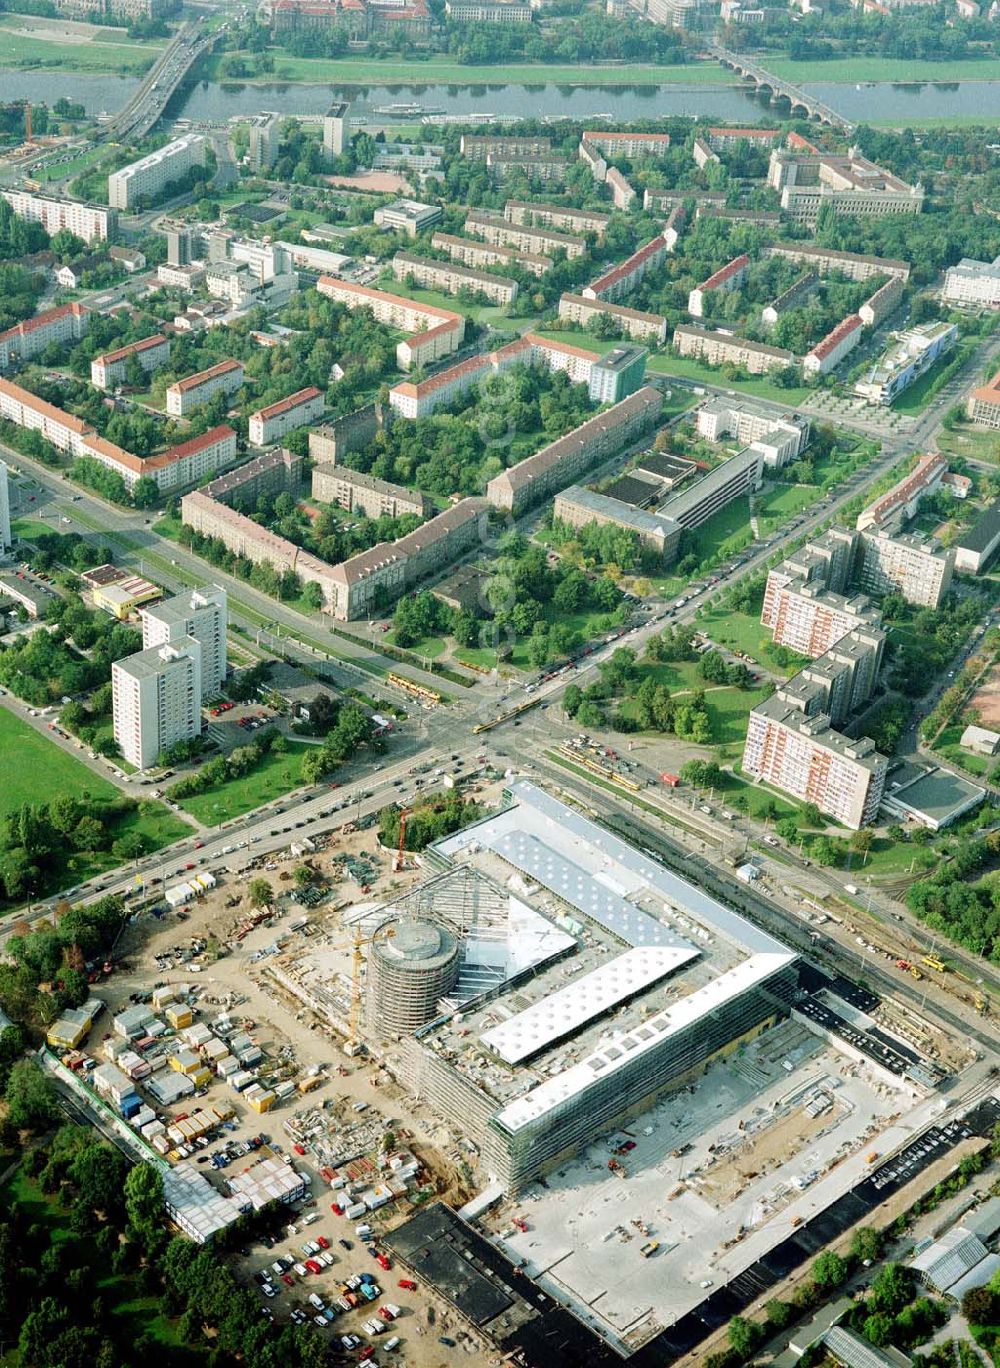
column 625, row 1048
column 563, row 1012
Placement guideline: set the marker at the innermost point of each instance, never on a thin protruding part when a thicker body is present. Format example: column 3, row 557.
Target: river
column 216, row 102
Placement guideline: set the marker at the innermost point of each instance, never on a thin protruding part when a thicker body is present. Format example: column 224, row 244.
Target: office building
column 720, row 348
column 265, row 134
column 5, row 537
column 975, row 548
column 900, row 503
column 144, row 179
column 276, row 420
column 562, row 461
column 804, row 756
column 559, row 216
column 360, row 493
column 618, row 281
column 849, row 184
column 982, row 406
column 618, row 373
column 920, row 570
column 854, row 265
column 525, row 237
column 201, row 614
column 433, row 332
column 226, row 377
column 909, row 355
column 452, row 279
column 28, row 339
column 784, row 433
column 726, row 280
column 633, row 323
column 91, row 222
column 839, row 342
column 975, row 284
column 110, row 369
column 336, row 129
column 578, row 506
column 156, row 700
column 407, row 216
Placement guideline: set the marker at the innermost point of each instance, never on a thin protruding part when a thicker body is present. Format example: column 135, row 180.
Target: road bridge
column 150, row 100
column 766, row 80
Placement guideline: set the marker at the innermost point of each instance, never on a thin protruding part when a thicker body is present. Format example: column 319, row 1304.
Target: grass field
column 104, row 59
column 687, row 368
column 977, row 444
column 275, row 775
column 851, row 70
column 36, row 769
column 368, row 71
column 916, row 398
column 727, row 708
column 431, row 648
column 27, row 529
column 488, row 314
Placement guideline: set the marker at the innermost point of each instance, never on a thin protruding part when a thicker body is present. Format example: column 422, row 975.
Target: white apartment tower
column 149, row 175
column 156, row 700
column 5, row 539
column 202, row 615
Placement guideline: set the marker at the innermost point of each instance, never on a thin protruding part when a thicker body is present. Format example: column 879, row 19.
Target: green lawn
column 369, row 71
column 430, row 648
column 687, row 368
column 727, row 708
column 481, row 313
column 948, row 748
column 977, row 444
column 36, row 769
column 27, row 529
column 782, row 503
column 851, row 70
column 118, row 59
column 275, row 775
column 725, row 533
column 916, row 398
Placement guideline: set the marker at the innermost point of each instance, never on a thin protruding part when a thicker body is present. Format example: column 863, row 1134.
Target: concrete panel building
column 202, row 614
column 433, row 332
column 525, row 237
column 621, row 280
column 335, row 129
column 360, row 493
column 784, row 434
column 28, row 339
column 270, row 424
column 900, row 503
column 5, row 537
column 885, row 301
column 145, row 178
column 472, row 252
column 265, row 135
column 634, row 323
column 91, row 222
column 920, row 570
column 973, row 284
column 617, row 374
column 719, row 348
column 152, row 353
column 479, row 148
column 824, row 260
column 726, row 280
column 156, row 700
column 452, row 279
column 562, row 217
column 839, row 342
column 976, row 548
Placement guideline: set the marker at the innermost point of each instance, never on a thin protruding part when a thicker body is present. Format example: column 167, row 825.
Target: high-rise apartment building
column 201, row 614
column 334, row 129
column 264, row 137
column 5, row 538
column 156, row 700
column 147, row 177
column 920, row 570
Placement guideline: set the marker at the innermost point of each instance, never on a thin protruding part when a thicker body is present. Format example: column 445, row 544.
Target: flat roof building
column 198, row 613
column 976, row 548
column 156, row 700
column 975, row 284
column 145, row 178
column 407, row 216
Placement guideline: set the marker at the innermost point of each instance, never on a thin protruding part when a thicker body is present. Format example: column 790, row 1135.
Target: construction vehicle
column 399, row 860
column 934, row 963
column 521, row 1224
column 650, row 1247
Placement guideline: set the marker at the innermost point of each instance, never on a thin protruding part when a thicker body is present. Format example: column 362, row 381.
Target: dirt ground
column 287, row 1032
column 383, row 182
column 762, row 1153
column 986, row 700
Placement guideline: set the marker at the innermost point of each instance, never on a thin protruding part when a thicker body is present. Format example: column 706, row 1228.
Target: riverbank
column 863, row 70
column 367, row 71
column 99, row 56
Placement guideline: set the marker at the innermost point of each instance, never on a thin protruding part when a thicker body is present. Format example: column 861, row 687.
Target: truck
column 650, row 1247
column 671, row 780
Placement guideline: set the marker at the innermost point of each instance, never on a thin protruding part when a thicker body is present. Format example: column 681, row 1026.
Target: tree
column 312, row 596
column 981, row 1306
column 260, row 892
column 744, row 1336
column 891, row 1289
column 829, row 1271
column 572, row 698
column 30, row 1097
column 146, row 492
column 866, row 1243
column 144, row 1202
column 861, row 840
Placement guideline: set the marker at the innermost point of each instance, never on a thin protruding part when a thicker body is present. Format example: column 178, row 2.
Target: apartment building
column 784, row 435
column 726, row 280
column 181, row 465
column 619, row 281
column 623, row 192
column 633, row 323
column 108, row 370
column 885, row 301
column 905, row 564
column 900, row 503
column 360, row 493
column 848, row 184
column 718, row 348
column 663, row 201
column 541, row 170
column 407, row 216
column 630, row 145
column 596, row 164
column 433, row 332
column 144, row 179
column 854, row 265
column 201, row 614
column 65, row 432
column 809, row 618
column 797, row 293
column 29, row 339
column 703, row 154
column 562, row 461
column 419, row 157
column 727, row 139
column 562, row 217
column 525, row 237
column 802, row 755
column 272, row 472
column 273, row 422
column 909, row 355
column 91, row 222
column 488, row 12
column 335, row 127
column 617, row 374
column 471, row 252
column 478, row 148
column 578, row 506
column 452, row 279
column 156, row 700
column 377, row 576
column 5, row 537
column 975, row 548
column 184, row 395
column 973, row 284
column 265, row 135
column 839, row 342
column 982, row 406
